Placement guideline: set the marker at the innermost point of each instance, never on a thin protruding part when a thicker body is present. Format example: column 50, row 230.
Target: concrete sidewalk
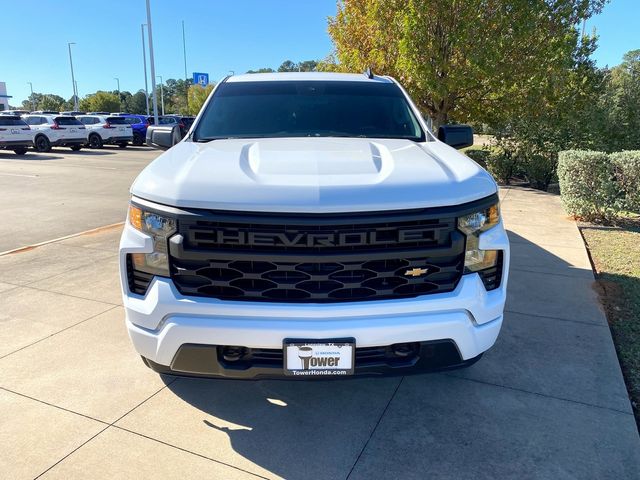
column 548, row 401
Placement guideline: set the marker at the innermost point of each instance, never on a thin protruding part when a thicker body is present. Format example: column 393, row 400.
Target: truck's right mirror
column 456, row 136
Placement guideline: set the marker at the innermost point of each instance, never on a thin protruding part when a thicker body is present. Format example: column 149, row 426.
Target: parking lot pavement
column 548, row 401
column 65, row 192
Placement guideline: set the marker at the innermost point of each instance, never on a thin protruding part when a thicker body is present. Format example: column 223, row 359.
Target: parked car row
column 45, row 129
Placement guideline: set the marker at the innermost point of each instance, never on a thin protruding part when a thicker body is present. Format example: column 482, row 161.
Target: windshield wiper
column 211, row 139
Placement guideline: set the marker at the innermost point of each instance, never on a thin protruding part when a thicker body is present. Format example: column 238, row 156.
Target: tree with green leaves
column 304, row 66
column 619, row 106
column 44, row 101
column 137, row 103
column 288, row 66
column 197, row 96
column 100, row 102
column 262, row 70
column 482, row 60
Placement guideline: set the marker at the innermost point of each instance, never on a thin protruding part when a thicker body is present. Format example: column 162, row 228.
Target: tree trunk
column 440, row 117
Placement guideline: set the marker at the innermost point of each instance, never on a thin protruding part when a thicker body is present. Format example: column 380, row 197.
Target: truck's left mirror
column 162, row 136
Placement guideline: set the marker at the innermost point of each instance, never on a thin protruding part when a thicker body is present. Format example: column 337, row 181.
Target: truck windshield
column 308, row 109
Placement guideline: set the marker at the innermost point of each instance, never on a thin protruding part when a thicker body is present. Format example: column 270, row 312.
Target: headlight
column 472, row 225
column 477, row 222
column 160, row 228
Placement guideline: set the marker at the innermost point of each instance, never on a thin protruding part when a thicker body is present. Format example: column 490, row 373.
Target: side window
column 32, row 121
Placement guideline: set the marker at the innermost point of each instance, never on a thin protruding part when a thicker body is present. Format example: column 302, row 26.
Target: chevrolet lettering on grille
column 307, row 239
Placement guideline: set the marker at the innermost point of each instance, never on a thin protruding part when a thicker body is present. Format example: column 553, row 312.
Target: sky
column 221, row 36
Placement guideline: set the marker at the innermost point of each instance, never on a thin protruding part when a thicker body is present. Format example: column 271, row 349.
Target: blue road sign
column 201, row 79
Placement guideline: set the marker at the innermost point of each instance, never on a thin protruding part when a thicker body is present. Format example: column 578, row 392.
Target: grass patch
column 615, row 252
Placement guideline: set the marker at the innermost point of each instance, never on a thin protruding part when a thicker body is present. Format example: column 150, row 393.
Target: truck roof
column 309, row 76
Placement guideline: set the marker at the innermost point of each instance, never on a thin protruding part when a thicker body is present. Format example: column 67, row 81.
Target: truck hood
column 312, row 175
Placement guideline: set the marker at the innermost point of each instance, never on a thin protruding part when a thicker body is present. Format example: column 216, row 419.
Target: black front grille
column 316, row 258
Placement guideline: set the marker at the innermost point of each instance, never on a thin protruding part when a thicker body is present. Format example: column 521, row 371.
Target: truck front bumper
column 185, row 335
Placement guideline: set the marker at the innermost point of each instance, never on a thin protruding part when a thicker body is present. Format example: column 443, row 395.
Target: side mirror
column 456, row 136
column 163, row 137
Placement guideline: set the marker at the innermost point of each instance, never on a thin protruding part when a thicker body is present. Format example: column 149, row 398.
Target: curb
column 36, row 245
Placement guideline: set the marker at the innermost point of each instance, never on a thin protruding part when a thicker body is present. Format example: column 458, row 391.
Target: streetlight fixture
column 161, row 92
column 153, row 67
column 144, row 62
column 73, row 80
column 33, row 103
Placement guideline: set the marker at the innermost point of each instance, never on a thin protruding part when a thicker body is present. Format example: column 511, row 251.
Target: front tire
column 20, row 150
column 95, row 141
column 42, row 144
column 76, row 148
column 137, row 140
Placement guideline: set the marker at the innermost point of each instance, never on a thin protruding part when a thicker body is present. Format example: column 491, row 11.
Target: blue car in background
column 139, row 126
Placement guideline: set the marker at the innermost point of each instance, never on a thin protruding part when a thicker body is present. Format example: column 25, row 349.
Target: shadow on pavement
column 87, row 151
column 318, row 429
column 290, row 428
column 30, row 156
column 54, row 154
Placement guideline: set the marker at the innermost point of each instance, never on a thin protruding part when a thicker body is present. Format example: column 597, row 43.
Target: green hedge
column 626, row 167
column 596, row 187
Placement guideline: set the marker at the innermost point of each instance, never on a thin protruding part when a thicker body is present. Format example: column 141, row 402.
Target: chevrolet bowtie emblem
column 416, row 272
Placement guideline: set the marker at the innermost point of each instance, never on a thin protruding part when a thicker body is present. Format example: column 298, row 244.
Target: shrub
column 478, row 155
column 503, row 165
column 626, row 166
column 539, row 169
column 587, row 185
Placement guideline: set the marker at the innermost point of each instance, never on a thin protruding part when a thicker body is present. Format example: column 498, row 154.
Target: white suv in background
column 15, row 134
column 104, row 129
column 56, row 131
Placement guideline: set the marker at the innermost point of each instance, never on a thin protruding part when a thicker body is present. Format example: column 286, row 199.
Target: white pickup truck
column 311, row 225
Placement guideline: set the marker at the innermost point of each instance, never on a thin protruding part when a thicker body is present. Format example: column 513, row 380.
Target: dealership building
column 4, row 98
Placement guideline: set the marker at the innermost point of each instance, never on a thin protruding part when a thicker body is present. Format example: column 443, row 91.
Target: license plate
column 319, row 357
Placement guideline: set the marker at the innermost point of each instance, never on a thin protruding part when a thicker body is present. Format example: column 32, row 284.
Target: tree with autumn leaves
column 480, row 60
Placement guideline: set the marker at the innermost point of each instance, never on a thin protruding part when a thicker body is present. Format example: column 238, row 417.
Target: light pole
column 73, row 80
column 186, row 81
column 144, row 62
column 161, row 93
column 119, row 98
column 153, row 67
column 33, row 103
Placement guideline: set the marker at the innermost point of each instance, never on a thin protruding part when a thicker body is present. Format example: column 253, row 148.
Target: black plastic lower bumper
column 68, row 142
column 195, row 360
column 115, row 140
column 10, row 145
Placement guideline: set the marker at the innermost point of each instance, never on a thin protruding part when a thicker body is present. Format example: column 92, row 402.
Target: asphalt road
column 50, row 195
